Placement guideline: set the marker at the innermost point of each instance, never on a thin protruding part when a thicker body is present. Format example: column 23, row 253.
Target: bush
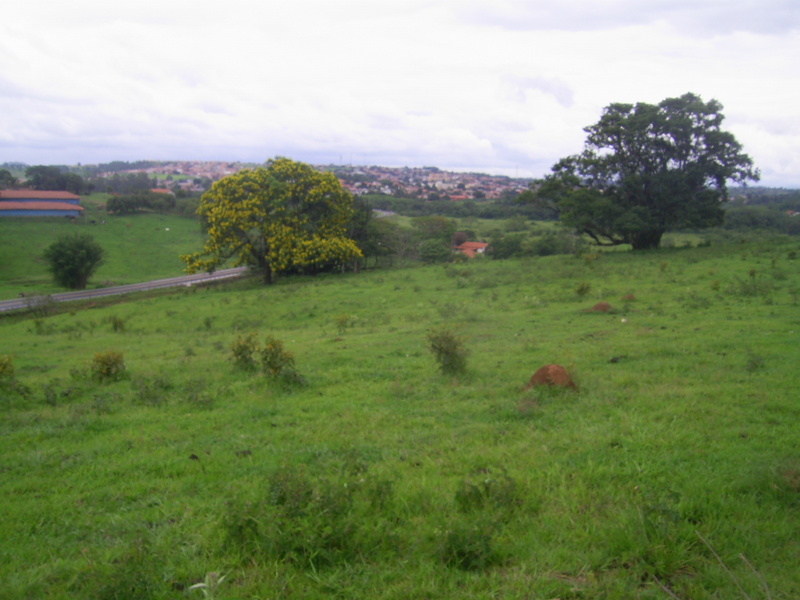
column 244, row 350
column 108, row 366
column 435, row 251
column 6, row 371
column 310, row 522
column 72, row 259
column 276, row 361
column 448, row 349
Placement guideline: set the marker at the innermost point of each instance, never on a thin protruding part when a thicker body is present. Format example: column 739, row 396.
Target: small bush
column 53, row 392
column 306, row 521
column 583, row 288
column 117, row 323
column 276, row 361
column 6, row 370
column 108, row 366
column 449, row 351
column 244, row 350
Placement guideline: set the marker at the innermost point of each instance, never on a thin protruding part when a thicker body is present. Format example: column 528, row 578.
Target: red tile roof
column 472, row 248
column 36, row 195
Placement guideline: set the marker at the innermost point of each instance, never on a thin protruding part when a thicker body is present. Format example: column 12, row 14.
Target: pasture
column 672, row 472
column 138, row 248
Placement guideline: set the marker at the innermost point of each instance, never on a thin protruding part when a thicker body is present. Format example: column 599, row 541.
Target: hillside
column 370, row 474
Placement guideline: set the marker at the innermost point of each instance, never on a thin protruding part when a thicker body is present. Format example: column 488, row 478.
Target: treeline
column 767, row 209
column 55, row 178
column 148, row 201
column 504, row 208
column 125, row 183
column 763, row 218
column 116, row 166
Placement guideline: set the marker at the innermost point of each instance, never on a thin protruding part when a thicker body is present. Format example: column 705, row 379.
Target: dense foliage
column 72, row 259
column 281, row 218
column 501, row 208
column 647, row 169
column 141, row 201
column 50, row 178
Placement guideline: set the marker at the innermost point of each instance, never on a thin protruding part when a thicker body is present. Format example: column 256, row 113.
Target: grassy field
column 672, row 472
column 138, row 248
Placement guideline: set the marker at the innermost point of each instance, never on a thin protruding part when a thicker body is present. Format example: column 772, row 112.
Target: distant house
column 472, row 249
column 33, row 203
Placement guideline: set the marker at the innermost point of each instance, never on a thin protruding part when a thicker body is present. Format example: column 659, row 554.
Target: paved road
column 187, row 280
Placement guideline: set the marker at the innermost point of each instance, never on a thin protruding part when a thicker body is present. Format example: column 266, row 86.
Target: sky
column 494, row 86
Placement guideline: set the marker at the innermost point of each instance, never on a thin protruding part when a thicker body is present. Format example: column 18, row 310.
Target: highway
column 185, row 281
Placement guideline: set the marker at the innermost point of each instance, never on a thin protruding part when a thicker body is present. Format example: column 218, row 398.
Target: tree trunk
column 647, row 240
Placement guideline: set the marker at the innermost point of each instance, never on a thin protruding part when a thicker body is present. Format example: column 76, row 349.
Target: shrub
column 583, row 288
column 449, row 351
column 303, row 520
column 117, row 323
column 275, row 361
column 72, row 259
column 6, row 370
column 278, row 363
column 244, row 350
column 108, row 366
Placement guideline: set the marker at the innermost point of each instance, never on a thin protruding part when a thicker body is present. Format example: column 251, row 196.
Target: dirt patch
column 552, row 375
column 601, row 307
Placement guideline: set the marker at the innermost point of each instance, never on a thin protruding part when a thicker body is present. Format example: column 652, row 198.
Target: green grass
column 381, row 477
column 138, row 248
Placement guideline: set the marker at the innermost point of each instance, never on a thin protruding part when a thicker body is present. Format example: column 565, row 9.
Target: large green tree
column 44, row 177
column 72, row 259
column 286, row 216
column 647, row 169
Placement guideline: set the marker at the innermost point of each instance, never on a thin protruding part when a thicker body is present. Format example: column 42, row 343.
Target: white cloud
column 502, row 85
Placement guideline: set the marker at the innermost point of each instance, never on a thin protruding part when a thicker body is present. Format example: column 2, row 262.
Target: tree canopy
column 43, row 177
column 284, row 217
column 72, row 259
column 647, row 169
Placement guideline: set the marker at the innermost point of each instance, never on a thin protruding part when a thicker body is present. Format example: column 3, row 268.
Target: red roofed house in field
column 33, row 203
column 472, row 249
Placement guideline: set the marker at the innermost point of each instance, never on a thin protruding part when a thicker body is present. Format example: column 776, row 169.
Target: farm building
column 472, row 249
column 33, row 203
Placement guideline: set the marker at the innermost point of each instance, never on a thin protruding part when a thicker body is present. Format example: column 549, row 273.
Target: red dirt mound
column 628, row 298
column 600, row 307
column 554, row 375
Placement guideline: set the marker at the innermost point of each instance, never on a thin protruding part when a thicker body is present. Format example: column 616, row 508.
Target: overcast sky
column 499, row 86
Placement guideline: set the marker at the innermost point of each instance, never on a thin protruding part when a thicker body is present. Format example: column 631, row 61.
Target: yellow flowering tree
column 283, row 217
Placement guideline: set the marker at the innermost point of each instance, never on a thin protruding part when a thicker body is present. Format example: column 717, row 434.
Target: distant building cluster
column 428, row 182
column 405, row 182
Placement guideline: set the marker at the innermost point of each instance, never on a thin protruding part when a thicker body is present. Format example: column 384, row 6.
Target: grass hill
column 138, row 248
column 138, row 461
